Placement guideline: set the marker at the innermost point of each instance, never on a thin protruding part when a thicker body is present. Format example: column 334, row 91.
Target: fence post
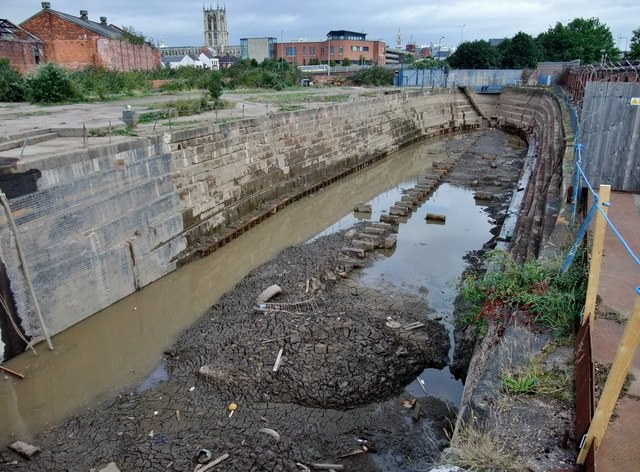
column 596, row 255
column 615, row 380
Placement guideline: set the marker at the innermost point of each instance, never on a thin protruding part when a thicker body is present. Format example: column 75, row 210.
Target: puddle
column 428, row 260
column 157, row 376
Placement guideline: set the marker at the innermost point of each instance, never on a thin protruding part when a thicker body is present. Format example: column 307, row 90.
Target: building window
column 331, row 52
column 341, row 50
column 355, row 48
column 365, row 48
column 291, row 51
column 312, row 50
column 36, row 55
column 304, row 50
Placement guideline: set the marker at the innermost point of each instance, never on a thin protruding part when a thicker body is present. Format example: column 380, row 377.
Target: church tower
column 216, row 34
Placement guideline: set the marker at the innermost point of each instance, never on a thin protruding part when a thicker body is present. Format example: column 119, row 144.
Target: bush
column 215, row 86
column 375, row 76
column 12, row 85
column 51, row 84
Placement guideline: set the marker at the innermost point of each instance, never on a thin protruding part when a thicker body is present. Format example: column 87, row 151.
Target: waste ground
column 340, row 382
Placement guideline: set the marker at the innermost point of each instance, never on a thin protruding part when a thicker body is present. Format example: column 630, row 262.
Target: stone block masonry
column 98, row 224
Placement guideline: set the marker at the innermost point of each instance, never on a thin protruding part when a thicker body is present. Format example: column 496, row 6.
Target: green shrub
column 554, row 299
column 51, row 84
column 376, row 76
column 12, row 86
column 214, row 86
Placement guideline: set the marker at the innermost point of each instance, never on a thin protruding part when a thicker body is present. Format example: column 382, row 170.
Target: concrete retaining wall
column 98, row 224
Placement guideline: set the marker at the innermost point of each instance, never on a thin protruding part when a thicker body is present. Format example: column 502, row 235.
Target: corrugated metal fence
column 610, row 126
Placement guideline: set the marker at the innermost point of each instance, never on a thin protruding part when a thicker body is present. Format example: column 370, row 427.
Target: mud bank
column 341, row 379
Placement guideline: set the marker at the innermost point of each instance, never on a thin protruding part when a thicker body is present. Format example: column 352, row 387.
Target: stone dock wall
column 98, row 224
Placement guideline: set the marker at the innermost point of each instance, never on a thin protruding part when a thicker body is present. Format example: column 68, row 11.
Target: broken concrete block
column 362, row 208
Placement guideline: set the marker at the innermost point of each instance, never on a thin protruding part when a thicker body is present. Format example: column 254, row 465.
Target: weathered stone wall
column 100, row 223
column 538, row 114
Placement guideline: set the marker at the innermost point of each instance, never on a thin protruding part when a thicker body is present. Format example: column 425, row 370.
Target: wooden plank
column 596, row 256
column 615, row 380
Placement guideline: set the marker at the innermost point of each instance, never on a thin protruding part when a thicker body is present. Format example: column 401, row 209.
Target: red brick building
column 23, row 49
column 339, row 45
column 77, row 42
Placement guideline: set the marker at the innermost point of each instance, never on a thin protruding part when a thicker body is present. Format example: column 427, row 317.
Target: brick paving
column 620, row 447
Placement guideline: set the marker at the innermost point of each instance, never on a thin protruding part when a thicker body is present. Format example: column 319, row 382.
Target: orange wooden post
column 596, row 256
column 615, row 380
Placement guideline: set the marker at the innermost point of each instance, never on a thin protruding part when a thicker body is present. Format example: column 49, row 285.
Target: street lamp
column 461, row 30
column 439, row 47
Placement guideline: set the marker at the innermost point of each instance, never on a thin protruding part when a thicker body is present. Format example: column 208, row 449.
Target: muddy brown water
column 121, row 347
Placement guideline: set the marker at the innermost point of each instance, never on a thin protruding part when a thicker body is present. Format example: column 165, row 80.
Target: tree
column 376, row 75
column 11, row 83
column 346, row 62
column 475, row 55
column 520, row 52
column 634, row 45
column 51, row 84
column 582, row 39
column 215, row 85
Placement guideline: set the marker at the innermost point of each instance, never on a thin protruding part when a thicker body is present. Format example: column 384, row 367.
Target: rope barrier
column 578, row 176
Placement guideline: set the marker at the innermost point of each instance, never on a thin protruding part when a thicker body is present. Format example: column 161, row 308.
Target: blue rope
column 624, row 243
column 580, row 174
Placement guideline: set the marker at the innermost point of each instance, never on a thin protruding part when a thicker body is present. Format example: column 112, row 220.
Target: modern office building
column 338, row 46
column 258, row 48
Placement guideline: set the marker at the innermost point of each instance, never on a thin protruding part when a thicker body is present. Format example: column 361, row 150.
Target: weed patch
column 551, row 298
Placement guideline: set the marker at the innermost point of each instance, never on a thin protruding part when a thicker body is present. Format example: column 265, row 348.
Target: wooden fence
column 610, row 133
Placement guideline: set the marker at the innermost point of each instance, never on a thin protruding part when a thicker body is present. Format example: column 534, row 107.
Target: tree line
column 588, row 40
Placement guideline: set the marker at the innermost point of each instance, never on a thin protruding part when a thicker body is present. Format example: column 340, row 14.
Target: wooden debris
column 404, row 204
column 270, row 432
column 354, row 251
column 390, row 241
column 367, row 245
column 353, row 452
column 398, row 211
column 25, row 450
column 362, row 208
column 268, row 293
column 373, row 230
column 327, row 466
column 178, row 415
column 413, row 325
column 483, row 196
column 212, row 464
column 489, row 157
column 276, row 366
column 380, row 225
column 416, row 411
column 390, row 219
column 350, row 234
column 436, row 217
column 12, row 372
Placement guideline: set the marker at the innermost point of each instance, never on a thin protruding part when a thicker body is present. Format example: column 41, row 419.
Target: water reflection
column 120, row 346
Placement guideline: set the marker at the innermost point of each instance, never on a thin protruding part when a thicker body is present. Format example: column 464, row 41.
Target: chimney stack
column 46, row 5
column 103, row 20
column 84, row 15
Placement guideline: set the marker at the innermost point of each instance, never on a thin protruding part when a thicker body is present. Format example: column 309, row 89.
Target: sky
column 180, row 22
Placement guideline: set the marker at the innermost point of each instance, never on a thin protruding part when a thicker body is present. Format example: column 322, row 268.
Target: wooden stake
column 12, row 372
column 276, row 366
column 615, row 380
column 596, row 256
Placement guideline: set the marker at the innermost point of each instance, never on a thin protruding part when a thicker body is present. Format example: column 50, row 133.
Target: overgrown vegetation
column 532, row 378
column 51, row 83
column 11, row 83
column 375, row 76
column 553, row 299
column 480, row 450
